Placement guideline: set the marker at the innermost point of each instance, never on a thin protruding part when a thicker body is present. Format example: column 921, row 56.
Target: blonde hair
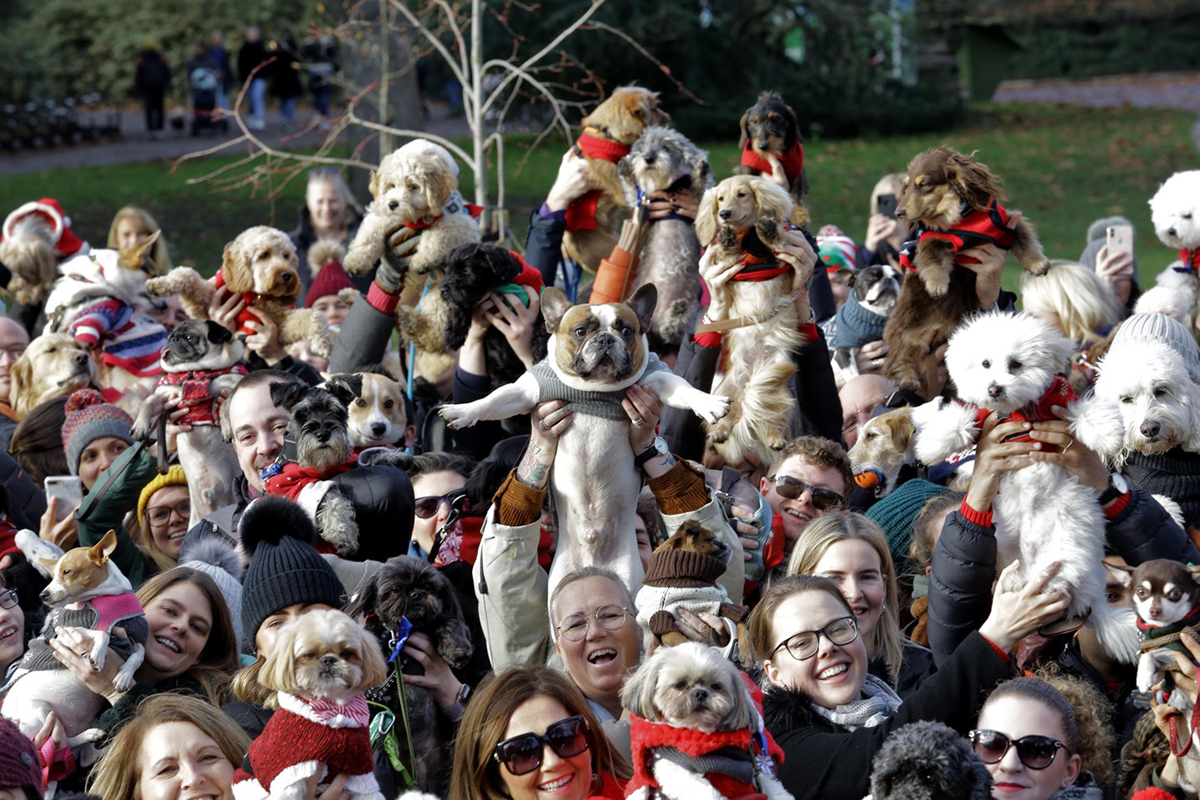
column 837, row 526
column 761, row 626
column 219, row 657
column 245, row 685
column 476, row 774
column 142, row 219
column 1083, row 304
column 118, row 774
column 334, row 178
column 891, row 183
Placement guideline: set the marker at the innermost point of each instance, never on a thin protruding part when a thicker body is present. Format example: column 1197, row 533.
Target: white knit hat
column 1161, row 328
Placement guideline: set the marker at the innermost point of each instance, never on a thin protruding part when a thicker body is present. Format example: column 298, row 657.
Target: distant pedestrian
column 220, row 58
column 152, row 80
column 251, row 55
column 285, row 76
column 320, row 54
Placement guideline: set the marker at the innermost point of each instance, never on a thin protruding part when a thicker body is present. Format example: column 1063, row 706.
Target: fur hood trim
column 786, row 710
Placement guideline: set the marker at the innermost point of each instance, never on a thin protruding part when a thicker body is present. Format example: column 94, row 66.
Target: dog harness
column 988, row 225
column 792, row 160
column 1059, row 394
column 102, row 614
column 581, row 213
column 597, row 404
column 304, row 731
column 729, row 760
column 196, row 393
column 1190, row 259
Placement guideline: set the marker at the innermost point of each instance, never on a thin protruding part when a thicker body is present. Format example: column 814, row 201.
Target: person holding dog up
column 831, row 716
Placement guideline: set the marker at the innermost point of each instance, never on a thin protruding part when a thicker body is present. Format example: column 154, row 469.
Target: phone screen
column 886, row 203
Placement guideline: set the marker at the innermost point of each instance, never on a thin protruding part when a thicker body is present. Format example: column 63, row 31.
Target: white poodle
column 1175, row 211
column 1008, row 364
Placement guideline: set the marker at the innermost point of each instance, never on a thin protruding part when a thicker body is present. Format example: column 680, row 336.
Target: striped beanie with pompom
column 90, row 418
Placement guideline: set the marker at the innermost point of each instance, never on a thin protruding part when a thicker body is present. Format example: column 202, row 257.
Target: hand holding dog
column 704, row 628
column 64, row 534
column 994, row 456
column 643, row 408
column 225, row 307
column 1018, row 612
column 67, row 645
column 870, row 357
column 795, row 249
column 572, row 182
column 1073, row 455
column 547, row 422
column 336, row 790
column 265, row 337
column 402, row 244
column 516, row 321
column 716, row 275
column 438, row 677
column 932, row 366
column 684, row 202
column 987, row 262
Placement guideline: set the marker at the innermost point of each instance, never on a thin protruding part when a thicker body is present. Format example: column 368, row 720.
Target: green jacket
column 114, row 494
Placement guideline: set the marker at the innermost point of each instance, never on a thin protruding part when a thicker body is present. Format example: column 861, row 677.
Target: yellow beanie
column 173, row 477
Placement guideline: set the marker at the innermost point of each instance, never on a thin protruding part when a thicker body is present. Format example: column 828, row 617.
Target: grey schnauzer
column 664, row 160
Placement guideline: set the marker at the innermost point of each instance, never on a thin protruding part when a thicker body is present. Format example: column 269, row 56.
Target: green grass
column 1062, row 166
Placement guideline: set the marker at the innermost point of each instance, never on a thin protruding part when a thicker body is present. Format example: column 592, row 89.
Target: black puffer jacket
column 824, row 760
column 964, row 565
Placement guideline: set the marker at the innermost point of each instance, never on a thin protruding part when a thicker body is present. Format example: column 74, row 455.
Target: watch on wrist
column 657, row 448
column 1117, row 487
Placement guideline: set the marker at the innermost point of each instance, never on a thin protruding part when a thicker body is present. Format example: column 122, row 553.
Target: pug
column 201, row 362
column 595, row 353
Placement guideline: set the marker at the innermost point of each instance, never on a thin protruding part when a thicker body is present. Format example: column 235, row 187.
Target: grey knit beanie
column 88, row 418
column 277, row 535
column 1161, row 328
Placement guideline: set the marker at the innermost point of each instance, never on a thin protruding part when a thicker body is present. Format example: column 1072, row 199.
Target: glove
column 402, row 244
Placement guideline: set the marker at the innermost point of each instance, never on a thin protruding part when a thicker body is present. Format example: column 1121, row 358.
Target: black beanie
column 285, row 569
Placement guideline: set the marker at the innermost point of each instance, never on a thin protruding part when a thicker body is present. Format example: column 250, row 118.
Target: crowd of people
column 863, row 607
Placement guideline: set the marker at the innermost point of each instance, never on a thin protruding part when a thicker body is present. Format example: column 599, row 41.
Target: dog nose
column 393, row 205
column 45, row 595
column 378, row 428
column 725, row 213
column 699, row 694
column 287, row 277
column 1170, row 231
column 995, row 390
column 1150, row 428
column 81, row 358
column 328, row 661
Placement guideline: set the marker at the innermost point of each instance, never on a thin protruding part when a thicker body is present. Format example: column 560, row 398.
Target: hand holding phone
column 68, row 490
column 1120, row 239
column 886, row 204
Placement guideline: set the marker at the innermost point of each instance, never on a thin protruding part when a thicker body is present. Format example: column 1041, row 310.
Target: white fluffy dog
column 1175, row 211
column 1008, row 364
column 1159, row 404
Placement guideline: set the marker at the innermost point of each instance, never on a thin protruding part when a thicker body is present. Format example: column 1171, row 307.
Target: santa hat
column 66, row 243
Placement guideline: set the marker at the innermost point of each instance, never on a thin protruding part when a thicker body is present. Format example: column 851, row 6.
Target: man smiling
column 810, row 477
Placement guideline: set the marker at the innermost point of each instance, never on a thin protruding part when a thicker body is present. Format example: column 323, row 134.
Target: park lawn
column 1062, row 166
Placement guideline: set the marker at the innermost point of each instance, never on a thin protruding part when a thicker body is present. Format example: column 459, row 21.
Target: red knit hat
column 66, row 243
column 20, row 767
column 330, row 280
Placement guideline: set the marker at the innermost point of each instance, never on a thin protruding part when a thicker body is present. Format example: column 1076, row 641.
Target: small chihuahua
column 1166, row 596
column 88, row 593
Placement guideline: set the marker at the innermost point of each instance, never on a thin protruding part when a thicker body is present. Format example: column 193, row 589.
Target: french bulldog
column 201, row 360
column 595, row 353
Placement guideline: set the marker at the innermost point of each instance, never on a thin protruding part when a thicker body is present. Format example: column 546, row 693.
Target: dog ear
column 454, row 643
column 743, row 713
column 132, row 257
column 901, row 426
column 374, row 667
column 772, row 199
column 554, row 306
column 99, row 552
column 643, row 302
column 637, row 694
column 793, row 126
column 345, row 388
column 216, row 333
column 364, row 600
column 48, row 563
column 234, row 269
column 971, row 180
column 745, row 134
column 706, row 217
column 286, row 394
column 701, row 173
column 439, row 183
column 22, row 383
column 373, row 186
column 279, row 672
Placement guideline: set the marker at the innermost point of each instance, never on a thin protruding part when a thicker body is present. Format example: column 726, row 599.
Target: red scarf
column 987, row 225
column 1190, row 259
column 792, row 160
column 603, row 149
column 1059, row 394
column 581, row 213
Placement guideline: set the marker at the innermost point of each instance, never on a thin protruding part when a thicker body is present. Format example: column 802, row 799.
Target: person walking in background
column 251, row 55
column 220, row 59
column 285, row 76
column 151, row 81
column 320, row 55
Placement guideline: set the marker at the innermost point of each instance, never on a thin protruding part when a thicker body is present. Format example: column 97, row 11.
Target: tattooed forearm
column 534, row 469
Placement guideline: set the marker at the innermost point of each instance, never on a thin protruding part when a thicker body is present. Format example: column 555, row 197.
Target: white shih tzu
column 695, row 731
column 319, row 668
column 1008, row 364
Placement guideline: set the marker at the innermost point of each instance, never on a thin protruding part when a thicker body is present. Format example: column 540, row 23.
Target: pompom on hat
column 90, row 417
column 66, row 243
column 277, row 536
column 330, row 280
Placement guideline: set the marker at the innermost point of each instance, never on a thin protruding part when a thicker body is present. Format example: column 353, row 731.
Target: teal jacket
column 114, row 494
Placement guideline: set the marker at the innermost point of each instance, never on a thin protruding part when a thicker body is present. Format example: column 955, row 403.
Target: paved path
column 134, row 145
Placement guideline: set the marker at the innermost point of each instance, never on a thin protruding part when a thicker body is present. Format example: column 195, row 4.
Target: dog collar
column 602, row 148
column 1190, row 259
column 792, row 160
column 420, row 226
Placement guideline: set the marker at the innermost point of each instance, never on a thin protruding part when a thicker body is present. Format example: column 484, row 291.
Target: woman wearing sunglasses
column 529, row 733
column 1038, row 745
column 830, row 715
column 852, row 551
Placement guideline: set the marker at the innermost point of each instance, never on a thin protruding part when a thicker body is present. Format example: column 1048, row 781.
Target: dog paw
column 1037, row 266
column 728, row 238
column 767, row 230
column 777, row 441
column 936, row 284
column 457, row 416
column 711, row 408
column 122, row 682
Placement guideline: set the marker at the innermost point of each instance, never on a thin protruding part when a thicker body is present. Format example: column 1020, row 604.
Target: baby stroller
column 204, row 83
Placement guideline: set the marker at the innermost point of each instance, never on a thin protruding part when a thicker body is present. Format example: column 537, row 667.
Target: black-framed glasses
column 160, row 515
column 8, row 598
column 522, row 754
column 1035, row 752
column 426, row 507
column 574, row 628
column 822, row 499
column 805, row 644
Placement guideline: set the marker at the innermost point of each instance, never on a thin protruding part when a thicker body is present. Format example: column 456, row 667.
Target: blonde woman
column 852, row 551
column 1077, row 302
column 132, row 225
column 885, row 234
column 328, row 214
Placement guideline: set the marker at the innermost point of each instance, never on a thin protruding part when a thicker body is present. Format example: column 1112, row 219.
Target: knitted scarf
column 792, row 160
column 877, row 703
column 988, row 225
column 1190, row 259
column 581, row 213
column 856, row 325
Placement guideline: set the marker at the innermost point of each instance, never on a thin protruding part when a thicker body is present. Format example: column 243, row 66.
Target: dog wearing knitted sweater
column 319, row 668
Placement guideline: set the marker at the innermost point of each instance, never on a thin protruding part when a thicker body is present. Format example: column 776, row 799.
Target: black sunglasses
column 521, row 754
column 1035, row 752
column 426, row 507
column 791, row 488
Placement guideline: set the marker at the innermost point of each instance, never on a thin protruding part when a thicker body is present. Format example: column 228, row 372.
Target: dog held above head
column 952, row 200
column 596, row 352
column 770, row 128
